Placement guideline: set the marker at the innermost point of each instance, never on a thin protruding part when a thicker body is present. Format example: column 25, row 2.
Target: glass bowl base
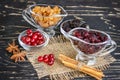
column 50, row 32
column 88, row 61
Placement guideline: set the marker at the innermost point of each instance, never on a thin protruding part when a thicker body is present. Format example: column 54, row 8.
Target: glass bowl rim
column 56, row 15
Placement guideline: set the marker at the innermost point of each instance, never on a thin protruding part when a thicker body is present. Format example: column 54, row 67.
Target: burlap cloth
column 58, row 71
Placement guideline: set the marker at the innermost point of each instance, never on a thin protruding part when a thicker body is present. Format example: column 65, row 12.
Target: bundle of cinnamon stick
column 69, row 62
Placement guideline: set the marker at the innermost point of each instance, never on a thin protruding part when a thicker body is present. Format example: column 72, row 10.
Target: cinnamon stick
column 83, row 68
column 68, row 59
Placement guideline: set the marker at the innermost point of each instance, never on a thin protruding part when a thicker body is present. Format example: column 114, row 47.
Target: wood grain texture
column 99, row 14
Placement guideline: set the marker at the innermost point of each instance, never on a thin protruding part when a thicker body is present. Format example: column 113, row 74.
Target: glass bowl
column 67, row 25
column 44, row 17
column 90, row 43
column 29, row 47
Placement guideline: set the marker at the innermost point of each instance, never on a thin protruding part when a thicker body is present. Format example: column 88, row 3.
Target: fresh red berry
column 45, row 56
column 51, row 55
column 34, row 36
column 29, row 31
column 40, row 37
column 23, row 39
column 40, row 59
column 46, row 60
column 27, row 39
column 32, row 40
column 52, row 59
column 50, row 63
column 29, row 43
column 41, row 42
column 34, row 44
column 37, row 33
column 30, row 34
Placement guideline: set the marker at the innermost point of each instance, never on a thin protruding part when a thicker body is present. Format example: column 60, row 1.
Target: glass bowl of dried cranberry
column 67, row 25
column 90, row 43
column 33, row 38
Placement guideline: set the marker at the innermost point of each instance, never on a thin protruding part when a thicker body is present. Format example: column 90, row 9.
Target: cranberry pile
column 90, row 37
column 33, row 38
column 67, row 26
column 48, row 59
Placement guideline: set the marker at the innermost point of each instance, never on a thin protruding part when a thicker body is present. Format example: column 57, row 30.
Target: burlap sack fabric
column 57, row 71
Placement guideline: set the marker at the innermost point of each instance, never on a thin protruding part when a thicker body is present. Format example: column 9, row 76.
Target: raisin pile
column 67, row 26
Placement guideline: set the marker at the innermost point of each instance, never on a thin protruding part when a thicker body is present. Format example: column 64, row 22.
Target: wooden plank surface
column 99, row 14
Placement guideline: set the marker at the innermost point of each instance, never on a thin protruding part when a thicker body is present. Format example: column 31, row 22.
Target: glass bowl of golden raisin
column 44, row 17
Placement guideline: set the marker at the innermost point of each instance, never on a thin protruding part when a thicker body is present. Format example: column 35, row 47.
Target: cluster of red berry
column 33, row 38
column 48, row 59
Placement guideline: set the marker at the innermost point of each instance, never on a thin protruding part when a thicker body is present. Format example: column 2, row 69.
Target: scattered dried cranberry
column 33, row 38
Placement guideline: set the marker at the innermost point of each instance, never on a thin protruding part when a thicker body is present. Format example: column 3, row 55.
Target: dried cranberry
column 86, row 34
column 105, row 38
column 87, row 40
column 77, row 34
column 91, row 50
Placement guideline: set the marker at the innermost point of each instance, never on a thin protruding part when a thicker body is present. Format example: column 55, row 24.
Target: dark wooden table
column 99, row 14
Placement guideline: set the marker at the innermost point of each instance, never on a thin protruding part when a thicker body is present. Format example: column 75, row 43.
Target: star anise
column 13, row 48
column 18, row 57
column 17, row 54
